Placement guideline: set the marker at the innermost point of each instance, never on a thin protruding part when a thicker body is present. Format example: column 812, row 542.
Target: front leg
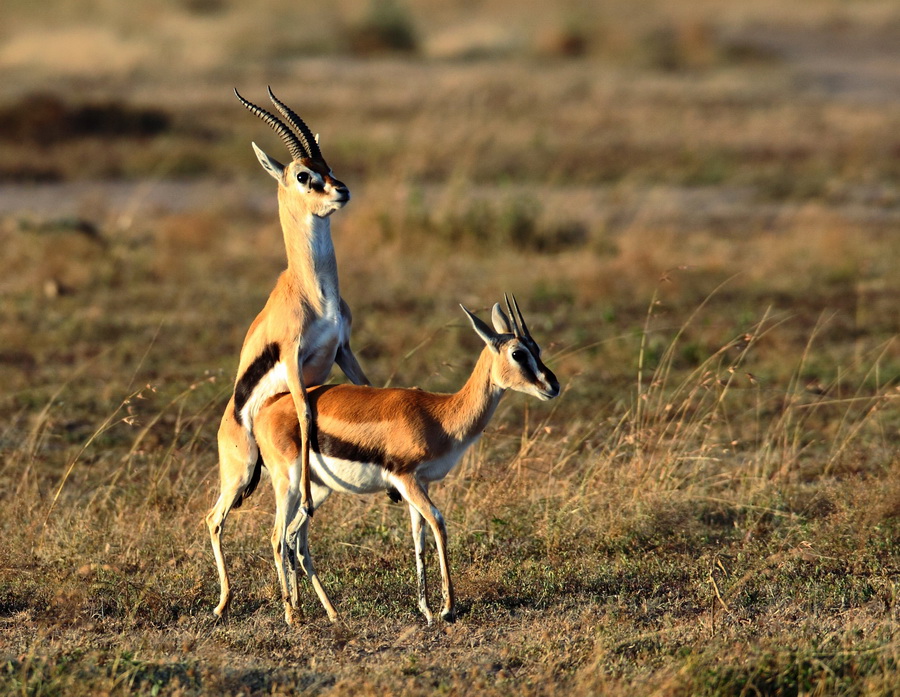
column 347, row 362
column 418, row 533
column 304, row 416
column 345, row 358
column 298, row 516
column 417, row 497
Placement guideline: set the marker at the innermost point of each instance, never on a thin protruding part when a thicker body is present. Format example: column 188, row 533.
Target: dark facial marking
column 528, row 372
column 316, row 166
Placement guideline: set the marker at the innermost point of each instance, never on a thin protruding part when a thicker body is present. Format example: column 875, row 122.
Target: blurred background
column 594, row 158
column 575, row 152
column 697, row 205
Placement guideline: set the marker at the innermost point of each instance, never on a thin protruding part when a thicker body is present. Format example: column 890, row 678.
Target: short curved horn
column 525, row 331
column 296, row 148
column 306, row 135
column 512, row 317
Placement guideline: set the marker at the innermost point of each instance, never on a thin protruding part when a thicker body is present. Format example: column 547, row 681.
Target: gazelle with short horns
column 301, row 332
column 366, row 440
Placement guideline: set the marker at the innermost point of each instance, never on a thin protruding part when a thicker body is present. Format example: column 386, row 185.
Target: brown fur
column 410, row 426
column 304, row 293
column 406, row 433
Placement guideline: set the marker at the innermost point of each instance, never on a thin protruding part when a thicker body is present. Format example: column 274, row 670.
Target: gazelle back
column 365, row 439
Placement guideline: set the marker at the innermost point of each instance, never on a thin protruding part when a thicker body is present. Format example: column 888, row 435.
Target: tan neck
column 310, row 253
column 468, row 411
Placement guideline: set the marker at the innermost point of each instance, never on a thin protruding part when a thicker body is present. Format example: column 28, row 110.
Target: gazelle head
column 517, row 357
column 307, row 178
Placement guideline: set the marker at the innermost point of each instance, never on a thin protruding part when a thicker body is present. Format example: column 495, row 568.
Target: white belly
column 348, row 476
column 351, row 477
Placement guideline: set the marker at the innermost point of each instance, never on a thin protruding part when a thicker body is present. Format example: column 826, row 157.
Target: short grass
column 711, row 507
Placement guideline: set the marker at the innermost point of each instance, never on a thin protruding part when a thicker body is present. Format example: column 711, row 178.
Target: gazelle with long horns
column 301, row 332
column 366, row 439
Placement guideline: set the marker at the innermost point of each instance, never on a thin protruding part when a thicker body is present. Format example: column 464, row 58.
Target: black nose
column 553, row 383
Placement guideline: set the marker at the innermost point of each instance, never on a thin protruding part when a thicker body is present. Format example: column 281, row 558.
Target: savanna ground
column 698, row 207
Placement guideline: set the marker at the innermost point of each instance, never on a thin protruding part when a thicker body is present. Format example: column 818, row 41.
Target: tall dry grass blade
column 847, row 430
column 107, row 423
column 784, row 437
column 104, row 426
column 41, row 419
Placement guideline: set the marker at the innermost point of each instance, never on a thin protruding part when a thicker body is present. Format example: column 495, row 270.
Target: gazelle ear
column 500, row 320
column 270, row 164
column 488, row 336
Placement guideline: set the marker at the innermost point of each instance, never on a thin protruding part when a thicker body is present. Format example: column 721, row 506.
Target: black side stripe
column 332, row 446
column 255, row 372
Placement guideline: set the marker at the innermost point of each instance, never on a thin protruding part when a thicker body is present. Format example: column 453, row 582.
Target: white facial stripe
column 533, row 373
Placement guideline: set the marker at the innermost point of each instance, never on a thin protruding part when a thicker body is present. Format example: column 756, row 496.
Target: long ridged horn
column 306, row 135
column 525, row 331
column 295, row 146
column 512, row 317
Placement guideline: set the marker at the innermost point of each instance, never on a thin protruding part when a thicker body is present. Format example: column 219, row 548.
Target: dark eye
column 303, row 177
column 520, row 356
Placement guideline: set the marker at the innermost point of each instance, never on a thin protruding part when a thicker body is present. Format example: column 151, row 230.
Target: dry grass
column 697, row 208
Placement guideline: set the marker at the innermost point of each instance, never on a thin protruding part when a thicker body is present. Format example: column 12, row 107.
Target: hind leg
column 238, row 462
column 418, row 533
